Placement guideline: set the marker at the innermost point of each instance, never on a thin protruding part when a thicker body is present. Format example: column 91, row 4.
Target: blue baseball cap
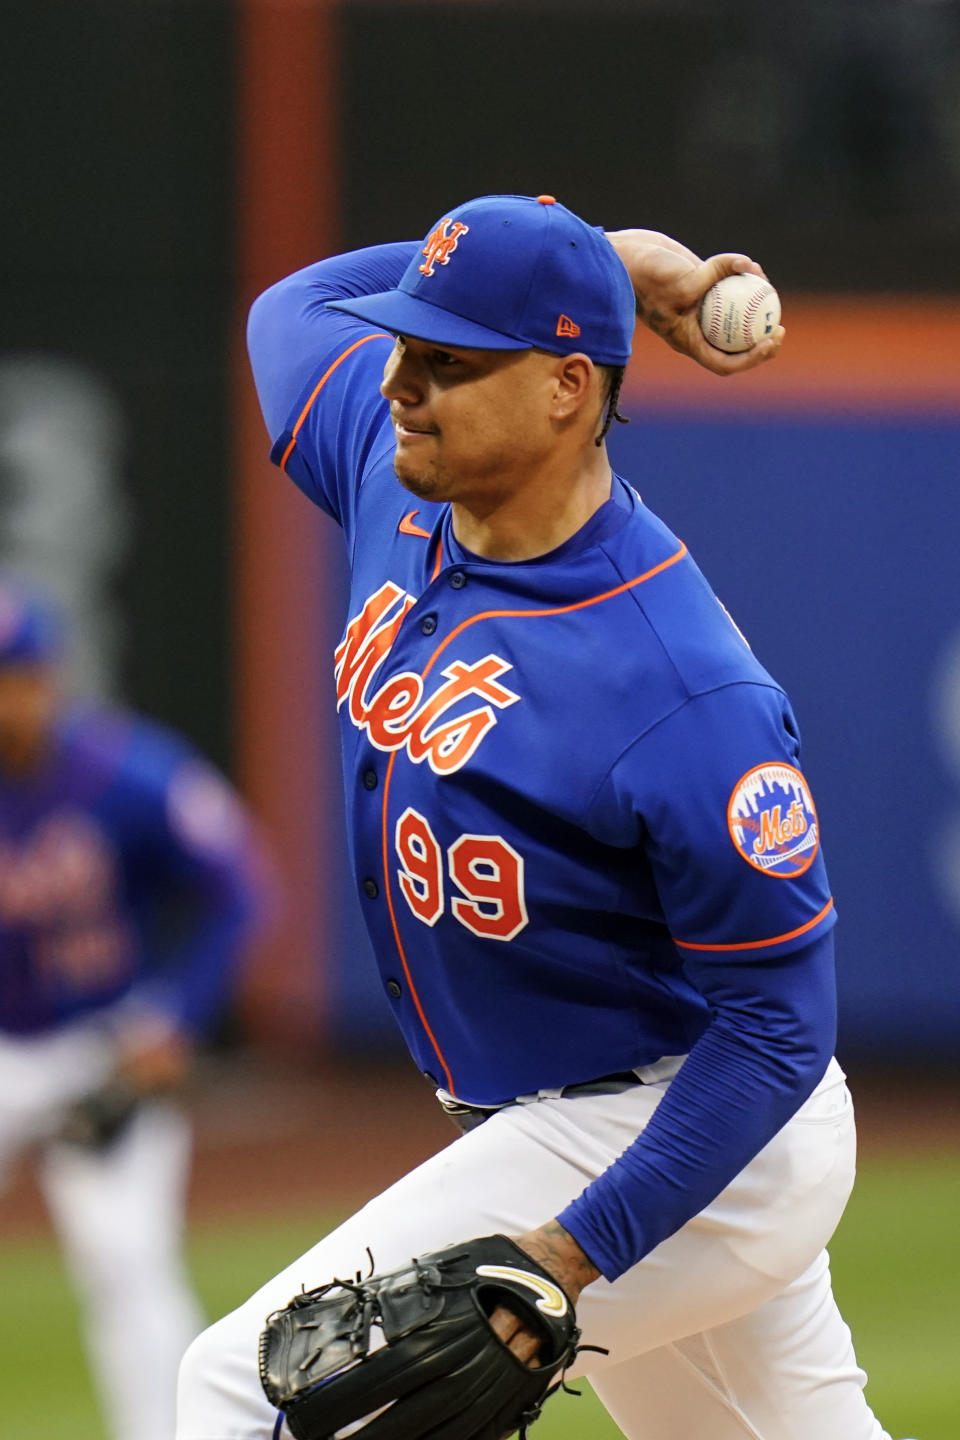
column 32, row 630
column 511, row 272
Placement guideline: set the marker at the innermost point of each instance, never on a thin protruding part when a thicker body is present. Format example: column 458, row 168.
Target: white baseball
column 738, row 311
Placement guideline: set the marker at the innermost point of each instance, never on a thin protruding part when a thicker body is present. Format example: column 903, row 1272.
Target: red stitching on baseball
column 752, row 307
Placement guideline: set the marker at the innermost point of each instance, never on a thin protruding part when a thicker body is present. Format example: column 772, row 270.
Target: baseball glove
column 411, row 1354
column 96, row 1121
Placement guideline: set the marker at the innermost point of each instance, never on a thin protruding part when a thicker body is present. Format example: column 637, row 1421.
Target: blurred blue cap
column 32, row 629
column 511, row 272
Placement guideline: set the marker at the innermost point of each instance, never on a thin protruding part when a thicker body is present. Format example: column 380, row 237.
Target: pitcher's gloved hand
column 412, row 1353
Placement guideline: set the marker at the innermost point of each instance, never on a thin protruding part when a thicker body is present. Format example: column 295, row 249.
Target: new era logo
column 566, row 326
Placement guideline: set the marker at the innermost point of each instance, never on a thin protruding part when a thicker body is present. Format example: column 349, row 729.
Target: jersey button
column 457, row 579
column 394, row 989
column 369, row 779
column 371, row 888
column 428, row 624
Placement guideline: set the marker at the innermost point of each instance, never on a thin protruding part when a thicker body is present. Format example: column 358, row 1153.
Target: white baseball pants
column 119, row 1217
column 726, row 1331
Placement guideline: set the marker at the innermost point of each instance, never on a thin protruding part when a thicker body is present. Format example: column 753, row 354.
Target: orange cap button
column 546, row 200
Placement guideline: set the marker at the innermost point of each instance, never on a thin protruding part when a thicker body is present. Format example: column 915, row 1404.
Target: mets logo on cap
column 773, row 821
column 441, row 244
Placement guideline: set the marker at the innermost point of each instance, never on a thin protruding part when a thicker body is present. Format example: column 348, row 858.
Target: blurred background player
column 129, row 884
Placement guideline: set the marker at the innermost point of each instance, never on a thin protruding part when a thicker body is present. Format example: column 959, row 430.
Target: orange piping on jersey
column 759, row 944
column 448, row 1078
column 436, row 572
column 558, row 610
column 319, row 386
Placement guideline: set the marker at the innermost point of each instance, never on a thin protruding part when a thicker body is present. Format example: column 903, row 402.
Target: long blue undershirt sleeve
column 766, row 1048
column 290, row 329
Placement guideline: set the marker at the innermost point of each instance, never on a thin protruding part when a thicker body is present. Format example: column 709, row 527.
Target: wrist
column 555, row 1249
column 638, row 248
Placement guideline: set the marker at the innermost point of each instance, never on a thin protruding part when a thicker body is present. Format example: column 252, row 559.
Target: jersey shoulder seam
column 690, row 696
column 367, row 469
column 307, row 398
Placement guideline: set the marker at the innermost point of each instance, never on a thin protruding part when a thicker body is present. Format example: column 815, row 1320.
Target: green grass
column 896, row 1265
column 896, row 1269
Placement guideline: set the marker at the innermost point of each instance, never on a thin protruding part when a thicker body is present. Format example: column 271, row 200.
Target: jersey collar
column 612, row 515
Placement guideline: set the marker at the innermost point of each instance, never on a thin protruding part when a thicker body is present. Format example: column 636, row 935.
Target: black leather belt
column 468, row 1117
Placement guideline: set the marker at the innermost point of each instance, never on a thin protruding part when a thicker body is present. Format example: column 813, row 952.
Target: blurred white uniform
column 119, row 1216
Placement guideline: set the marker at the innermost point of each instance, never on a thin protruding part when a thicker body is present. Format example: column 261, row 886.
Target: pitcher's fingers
column 696, row 282
column 722, row 363
column 509, row 1328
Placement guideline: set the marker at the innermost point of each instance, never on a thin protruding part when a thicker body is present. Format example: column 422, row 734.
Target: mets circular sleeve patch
column 773, row 822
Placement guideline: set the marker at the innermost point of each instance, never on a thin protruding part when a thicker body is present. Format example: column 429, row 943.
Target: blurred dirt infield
column 272, row 1136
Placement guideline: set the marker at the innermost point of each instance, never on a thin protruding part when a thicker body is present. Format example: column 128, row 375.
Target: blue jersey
column 127, row 876
column 580, row 832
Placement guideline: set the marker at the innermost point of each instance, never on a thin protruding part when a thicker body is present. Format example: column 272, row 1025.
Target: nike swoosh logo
column 407, row 527
column 552, row 1300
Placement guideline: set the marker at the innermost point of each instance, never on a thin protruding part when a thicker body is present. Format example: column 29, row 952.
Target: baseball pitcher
column 590, row 863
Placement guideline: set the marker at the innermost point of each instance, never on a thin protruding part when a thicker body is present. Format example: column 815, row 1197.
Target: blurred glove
column 96, row 1121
